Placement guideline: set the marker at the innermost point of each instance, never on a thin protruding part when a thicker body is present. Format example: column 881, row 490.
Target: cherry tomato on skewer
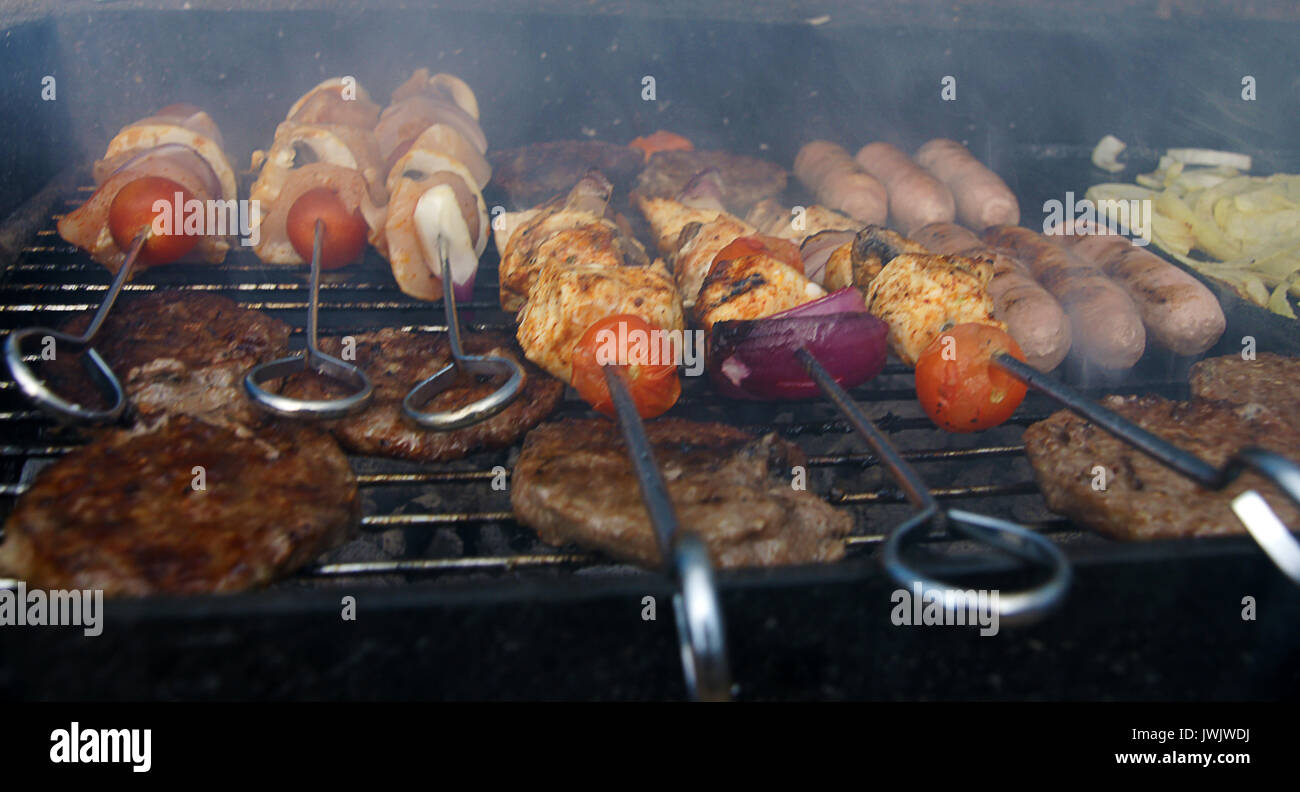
column 345, row 232
column 959, row 386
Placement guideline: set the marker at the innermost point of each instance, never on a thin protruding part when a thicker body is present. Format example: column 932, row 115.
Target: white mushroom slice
column 147, row 136
column 345, row 147
column 437, row 216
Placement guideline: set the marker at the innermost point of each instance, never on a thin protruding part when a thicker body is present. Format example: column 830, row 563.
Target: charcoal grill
column 458, row 600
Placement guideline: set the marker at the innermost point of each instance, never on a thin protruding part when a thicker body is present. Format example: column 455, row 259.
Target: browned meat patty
column 745, row 180
column 396, row 362
column 122, row 515
column 176, row 352
column 1271, row 380
column 1142, row 498
column 574, row 483
column 531, row 175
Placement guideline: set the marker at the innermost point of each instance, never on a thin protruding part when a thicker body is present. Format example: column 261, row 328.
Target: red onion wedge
column 755, row 359
column 816, row 252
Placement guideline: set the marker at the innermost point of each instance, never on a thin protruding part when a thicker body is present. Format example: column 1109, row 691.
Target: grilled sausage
column 1180, row 313
column 840, row 183
column 1105, row 324
column 982, row 198
column 915, row 197
column 1034, row 318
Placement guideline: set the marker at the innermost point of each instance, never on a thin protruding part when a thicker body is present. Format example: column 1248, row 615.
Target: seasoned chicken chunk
column 585, row 205
column 773, row 219
column 698, row 246
column 920, row 296
column 751, row 287
column 568, row 297
column 667, row 218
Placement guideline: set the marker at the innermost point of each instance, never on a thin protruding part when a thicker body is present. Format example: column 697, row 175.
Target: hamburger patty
column 745, row 180
column 123, row 515
column 1271, row 380
column 176, row 352
column 1143, row 499
column 574, row 483
column 396, row 362
column 532, row 174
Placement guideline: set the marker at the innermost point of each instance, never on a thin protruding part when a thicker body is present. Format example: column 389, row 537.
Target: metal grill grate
column 447, row 520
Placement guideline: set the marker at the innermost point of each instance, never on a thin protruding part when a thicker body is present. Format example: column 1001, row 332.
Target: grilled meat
column 574, row 483
column 1270, row 380
column 569, row 297
column 176, row 352
column 530, row 175
column 745, row 180
column 395, row 362
column 771, row 218
column 124, row 514
column 751, row 287
column 920, row 296
column 1142, row 499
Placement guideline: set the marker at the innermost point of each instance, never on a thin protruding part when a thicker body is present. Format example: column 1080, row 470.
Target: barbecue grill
column 454, row 598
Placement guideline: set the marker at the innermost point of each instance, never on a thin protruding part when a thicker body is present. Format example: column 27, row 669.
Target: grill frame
column 561, row 578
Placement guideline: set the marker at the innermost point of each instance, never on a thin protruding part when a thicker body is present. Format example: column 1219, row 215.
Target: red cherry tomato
column 132, row 212
column 654, row 388
column 777, row 248
column 345, row 232
column 960, row 389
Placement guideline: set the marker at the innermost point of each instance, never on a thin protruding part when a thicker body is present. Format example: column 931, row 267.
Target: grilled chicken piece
column 441, row 100
column 751, row 287
column 336, row 101
column 584, row 206
column 872, row 248
column 668, row 217
column 571, row 295
column 921, row 295
column 773, row 219
column 698, row 245
column 297, row 144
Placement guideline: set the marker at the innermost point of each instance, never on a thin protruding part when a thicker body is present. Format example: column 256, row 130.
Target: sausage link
column 982, row 198
column 828, row 171
column 915, row 197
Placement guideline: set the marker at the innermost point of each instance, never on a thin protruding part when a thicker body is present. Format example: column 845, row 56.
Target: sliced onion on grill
column 755, row 359
column 816, row 252
column 199, row 166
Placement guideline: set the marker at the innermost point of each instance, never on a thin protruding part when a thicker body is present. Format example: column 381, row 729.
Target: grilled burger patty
column 1271, row 380
column 122, row 514
column 745, row 180
column 532, row 174
column 176, row 352
column 1143, row 499
column 396, row 362
column 574, row 483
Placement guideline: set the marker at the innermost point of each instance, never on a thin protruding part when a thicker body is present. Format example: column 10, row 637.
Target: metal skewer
column 1007, row 537
column 47, row 400
column 1253, row 511
column 485, row 365
column 701, row 634
column 313, row 359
